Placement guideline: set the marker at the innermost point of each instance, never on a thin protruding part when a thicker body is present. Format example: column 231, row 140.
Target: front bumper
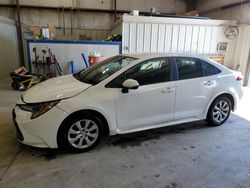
column 41, row 131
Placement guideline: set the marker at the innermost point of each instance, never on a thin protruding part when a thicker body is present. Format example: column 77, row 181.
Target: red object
column 93, row 60
column 239, row 78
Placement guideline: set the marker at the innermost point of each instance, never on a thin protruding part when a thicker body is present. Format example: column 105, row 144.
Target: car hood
column 54, row 89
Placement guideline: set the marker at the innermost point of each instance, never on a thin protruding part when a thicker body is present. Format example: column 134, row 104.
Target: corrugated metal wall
column 241, row 54
column 170, row 38
column 9, row 59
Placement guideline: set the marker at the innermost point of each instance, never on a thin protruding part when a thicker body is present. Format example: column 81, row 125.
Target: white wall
column 66, row 52
column 9, row 60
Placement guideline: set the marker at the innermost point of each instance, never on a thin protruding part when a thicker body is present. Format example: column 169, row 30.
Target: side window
column 189, row 68
column 209, row 69
column 151, row 72
column 148, row 72
column 117, row 82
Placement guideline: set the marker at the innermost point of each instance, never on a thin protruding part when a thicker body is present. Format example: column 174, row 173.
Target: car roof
column 155, row 55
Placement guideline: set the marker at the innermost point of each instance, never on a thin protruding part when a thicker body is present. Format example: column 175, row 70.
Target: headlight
column 38, row 109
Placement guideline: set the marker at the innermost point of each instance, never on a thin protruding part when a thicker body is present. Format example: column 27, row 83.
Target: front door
column 153, row 102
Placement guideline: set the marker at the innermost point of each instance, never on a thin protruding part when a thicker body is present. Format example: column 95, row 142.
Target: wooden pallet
column 217, row 58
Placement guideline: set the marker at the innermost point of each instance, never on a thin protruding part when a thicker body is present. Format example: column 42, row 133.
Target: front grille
column 18, row 132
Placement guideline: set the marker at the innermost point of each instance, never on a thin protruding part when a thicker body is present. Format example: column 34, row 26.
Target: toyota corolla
column 124, row 94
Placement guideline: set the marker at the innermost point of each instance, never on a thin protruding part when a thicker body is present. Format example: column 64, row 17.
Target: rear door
column 196, row 81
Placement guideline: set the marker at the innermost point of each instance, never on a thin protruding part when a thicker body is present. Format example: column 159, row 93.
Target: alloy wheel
column 221, row 111
column 83, row 134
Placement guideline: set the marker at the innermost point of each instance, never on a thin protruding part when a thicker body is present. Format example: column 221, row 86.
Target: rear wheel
column 219, row 111
column 80, row 134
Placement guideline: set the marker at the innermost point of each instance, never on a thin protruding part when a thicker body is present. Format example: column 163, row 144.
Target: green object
column 114, row 37
column 94, row 54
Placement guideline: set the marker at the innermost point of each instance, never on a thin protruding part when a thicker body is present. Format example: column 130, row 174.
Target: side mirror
column 129, row 84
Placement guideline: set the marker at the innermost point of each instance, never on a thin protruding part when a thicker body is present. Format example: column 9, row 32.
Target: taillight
column 239, row 78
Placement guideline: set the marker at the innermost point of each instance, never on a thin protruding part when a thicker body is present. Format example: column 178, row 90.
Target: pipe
column 59, row 16
column 235, row 4
column 74, row 9
column 71, row 20
column 63, row 21
column 247, row 74
column 20, row 35
column 115, row 11
column 76, row 28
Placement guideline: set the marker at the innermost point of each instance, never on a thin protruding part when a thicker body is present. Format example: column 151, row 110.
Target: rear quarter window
column 209, row 69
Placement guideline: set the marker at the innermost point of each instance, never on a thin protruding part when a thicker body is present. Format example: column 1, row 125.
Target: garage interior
column 79, row 33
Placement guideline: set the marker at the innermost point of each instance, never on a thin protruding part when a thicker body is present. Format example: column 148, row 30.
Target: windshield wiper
column 77, row 75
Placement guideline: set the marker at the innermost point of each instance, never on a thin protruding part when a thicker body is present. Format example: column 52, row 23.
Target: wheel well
column 92, row 112
column 229, row 96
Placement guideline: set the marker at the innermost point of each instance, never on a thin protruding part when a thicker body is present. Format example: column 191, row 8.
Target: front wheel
column 80, row 134
column 219, row 111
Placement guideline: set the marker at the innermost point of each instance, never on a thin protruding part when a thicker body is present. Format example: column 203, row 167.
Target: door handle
column 167, row 90
column 208, row 83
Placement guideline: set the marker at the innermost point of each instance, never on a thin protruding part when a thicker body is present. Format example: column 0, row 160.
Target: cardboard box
column 52, row 32
column 36, row 31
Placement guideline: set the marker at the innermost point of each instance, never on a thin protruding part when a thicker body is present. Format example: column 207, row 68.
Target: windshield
column 103, row 70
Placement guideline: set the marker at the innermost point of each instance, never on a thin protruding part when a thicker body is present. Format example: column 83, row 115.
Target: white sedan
column 124, row 94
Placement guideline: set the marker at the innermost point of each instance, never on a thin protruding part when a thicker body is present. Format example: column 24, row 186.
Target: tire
column 80, row 133
column 219, row 111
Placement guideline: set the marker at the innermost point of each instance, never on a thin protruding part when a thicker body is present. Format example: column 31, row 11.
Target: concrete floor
column 189, row 155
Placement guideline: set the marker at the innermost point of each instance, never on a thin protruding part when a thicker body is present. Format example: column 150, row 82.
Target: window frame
column 172, row 72
column 202, row 62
